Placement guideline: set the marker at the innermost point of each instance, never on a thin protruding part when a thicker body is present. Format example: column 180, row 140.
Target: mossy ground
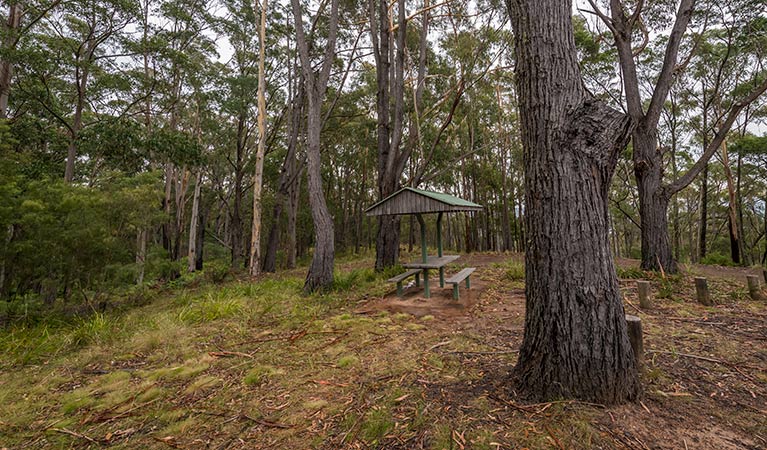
column 256, row 364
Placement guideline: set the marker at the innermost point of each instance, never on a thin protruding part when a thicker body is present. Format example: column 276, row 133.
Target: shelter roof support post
column 439, row 235
column 439, row 249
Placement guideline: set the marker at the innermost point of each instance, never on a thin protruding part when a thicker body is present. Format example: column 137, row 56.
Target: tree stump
column 634, row 328
column 645, row 301
column 753, row 287
column 701, row 291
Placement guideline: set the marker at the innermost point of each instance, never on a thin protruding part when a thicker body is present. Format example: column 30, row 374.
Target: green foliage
column 630, row 273
column 344, row 281
column 217, row 271
column 512, row 270
column 717, row 259
column 93, row 329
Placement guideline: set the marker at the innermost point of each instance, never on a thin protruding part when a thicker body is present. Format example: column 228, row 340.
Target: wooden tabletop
column 432, row 262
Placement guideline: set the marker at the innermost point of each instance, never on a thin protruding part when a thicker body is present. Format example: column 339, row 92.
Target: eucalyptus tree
column 86, row 39
column 654, row 195
column 254, row 265
column 320, row 274
column 575, row 342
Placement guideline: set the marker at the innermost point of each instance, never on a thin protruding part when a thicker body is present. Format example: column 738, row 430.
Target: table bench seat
column 403, row 276
column 456, row 279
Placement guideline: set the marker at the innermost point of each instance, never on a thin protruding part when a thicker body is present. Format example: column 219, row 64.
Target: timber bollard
column 701, row 291
column 645, row 302
column 753, row 287
column 634, row 328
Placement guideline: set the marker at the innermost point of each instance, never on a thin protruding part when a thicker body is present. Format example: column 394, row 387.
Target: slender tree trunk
column 81, row 86
column 703, row 227
column 200, row 245
column 141, row 237
column 6, row 66
column 182, row 185
column 236, row 230
column 764, row 256
column 746, row 254
column 575, row 342
column 732, row 215
column 167, row 226
column 291, row 245
column 390, row 83
column 258, row 178
column 193, row 223
column 320, row 275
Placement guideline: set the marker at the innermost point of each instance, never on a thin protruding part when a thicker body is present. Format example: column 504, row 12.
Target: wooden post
column 424, row 257
column 764, row 273
column 439, row 234
column 753, row 287
column 701, row 290
column 634, row 328
column 645, row 302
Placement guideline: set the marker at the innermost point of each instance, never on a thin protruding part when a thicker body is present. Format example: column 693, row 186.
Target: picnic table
column 417, row 202
column 432, row 262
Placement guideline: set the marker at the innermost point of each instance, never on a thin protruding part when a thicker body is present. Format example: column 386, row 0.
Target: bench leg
column 468, row 283
column 426, row 291
column 418, row 280
column 399, row 289
column 441, row 277
column 455, row 291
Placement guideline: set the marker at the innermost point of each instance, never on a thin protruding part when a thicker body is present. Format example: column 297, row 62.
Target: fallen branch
column 225, row 354
column 75, row 434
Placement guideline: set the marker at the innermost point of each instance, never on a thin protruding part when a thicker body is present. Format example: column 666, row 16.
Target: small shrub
column 217, row 271
column 349, row 360
column 345, row 281
column 260, row 375
column 96, row 328
column 378, row 422
column 210, row 309
column 717, row 259
column 633, row 273
column 514, row 270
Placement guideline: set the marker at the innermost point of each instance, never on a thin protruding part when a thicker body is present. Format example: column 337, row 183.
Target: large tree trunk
column 390, row 83
column 653, row 203
column 575, row 342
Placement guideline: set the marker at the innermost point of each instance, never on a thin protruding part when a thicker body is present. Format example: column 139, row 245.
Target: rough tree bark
column 320, row 275
column 258, row 178
column 575, row 342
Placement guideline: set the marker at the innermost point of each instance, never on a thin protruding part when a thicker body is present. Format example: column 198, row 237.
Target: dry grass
column 258, row 365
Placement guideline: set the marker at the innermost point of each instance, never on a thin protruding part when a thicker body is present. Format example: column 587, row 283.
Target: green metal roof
column 451, row 202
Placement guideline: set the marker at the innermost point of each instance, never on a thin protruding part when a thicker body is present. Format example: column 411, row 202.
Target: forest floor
column 257, row 365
